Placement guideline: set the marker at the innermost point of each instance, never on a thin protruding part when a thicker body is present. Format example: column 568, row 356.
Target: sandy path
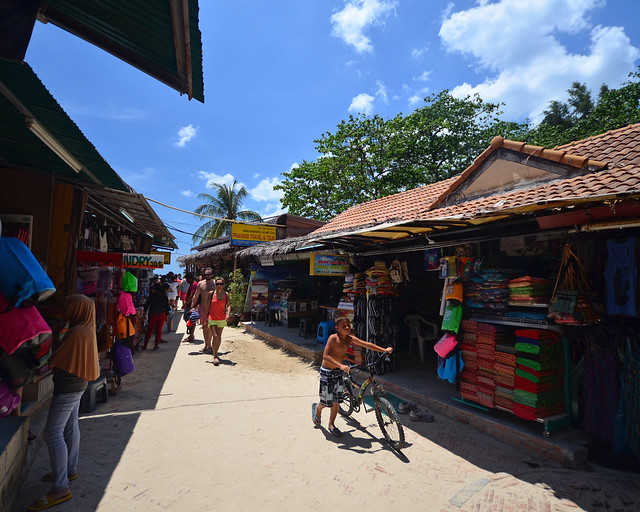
column 184, row 435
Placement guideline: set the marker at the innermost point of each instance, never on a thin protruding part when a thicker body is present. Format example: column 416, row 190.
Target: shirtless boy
column 332, row 368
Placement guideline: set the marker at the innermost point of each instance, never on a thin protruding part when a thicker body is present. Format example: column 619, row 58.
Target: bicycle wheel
column 347, row 405
column 389, row 422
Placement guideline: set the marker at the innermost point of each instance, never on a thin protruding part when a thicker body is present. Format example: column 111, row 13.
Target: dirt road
column 185, row 435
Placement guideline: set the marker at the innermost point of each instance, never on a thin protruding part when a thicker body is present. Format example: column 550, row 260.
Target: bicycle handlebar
column 366, row 367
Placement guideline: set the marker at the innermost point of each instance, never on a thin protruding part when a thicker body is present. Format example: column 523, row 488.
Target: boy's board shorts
column 331, row 388
column 217, row 323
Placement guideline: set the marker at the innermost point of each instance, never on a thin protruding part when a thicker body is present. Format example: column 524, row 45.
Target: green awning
column 25, row 102
column 161, row 38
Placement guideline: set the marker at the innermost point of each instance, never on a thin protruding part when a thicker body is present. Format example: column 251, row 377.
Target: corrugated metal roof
column 23, row 95
column 159, row 37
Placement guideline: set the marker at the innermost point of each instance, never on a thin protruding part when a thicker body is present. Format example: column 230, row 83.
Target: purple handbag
column 8, row 399
column 122, row 359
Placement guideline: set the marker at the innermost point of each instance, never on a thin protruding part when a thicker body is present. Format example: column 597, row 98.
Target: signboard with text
column 142, row 260
column 248, row 234
column 165, row 255
column 329, row 264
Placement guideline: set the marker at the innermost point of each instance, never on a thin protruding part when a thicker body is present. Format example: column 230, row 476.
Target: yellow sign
column 165, row 255
column 249, row 234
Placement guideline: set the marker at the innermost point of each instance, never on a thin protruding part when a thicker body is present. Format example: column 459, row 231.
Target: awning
column 161, row 38
column 38, row 134
column 132, row 211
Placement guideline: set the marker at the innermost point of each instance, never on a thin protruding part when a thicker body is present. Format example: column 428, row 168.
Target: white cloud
column 381, row 92
column 362, row 103
column 212, row 177
column 185, row 134
column 514, row 43
column 264, row 191
column 423, row 77
column 109, row 112
column 414, row 100
column 418, row 53
column 294, row 165
column 187, row 193
column 272, row 210
column 350, row 23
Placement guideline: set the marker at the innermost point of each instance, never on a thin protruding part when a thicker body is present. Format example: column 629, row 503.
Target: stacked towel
column 530, row 290
column 539, row 377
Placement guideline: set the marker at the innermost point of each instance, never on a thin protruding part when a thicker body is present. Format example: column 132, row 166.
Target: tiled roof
column 610, row 183
column 407, row 205
column 616, row 147
column 614, row 156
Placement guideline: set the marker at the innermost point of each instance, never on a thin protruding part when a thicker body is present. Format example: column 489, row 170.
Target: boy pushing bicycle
column 331, row 388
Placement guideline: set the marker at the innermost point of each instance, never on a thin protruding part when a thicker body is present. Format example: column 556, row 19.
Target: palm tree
column 225, row 204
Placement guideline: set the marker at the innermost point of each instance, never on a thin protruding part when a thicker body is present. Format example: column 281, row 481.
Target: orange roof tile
column 407, row 205
column 615, row 155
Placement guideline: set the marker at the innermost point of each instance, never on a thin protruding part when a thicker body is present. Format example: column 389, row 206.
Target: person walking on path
column 157, row 306
column 199, row 299
column 74, row 363
column 218, row 311
column 331, row 371
column 183, row 288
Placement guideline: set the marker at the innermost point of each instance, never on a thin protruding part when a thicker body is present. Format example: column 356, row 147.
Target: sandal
column 216, row 361
column 315, row 419
column 49, row 477
column 46, row 501
column 334, row 430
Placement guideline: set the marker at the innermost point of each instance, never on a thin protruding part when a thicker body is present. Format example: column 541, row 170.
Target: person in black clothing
column 157, row 306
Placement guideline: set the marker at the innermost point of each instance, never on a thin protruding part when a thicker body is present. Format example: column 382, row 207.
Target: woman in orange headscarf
column 74, row 363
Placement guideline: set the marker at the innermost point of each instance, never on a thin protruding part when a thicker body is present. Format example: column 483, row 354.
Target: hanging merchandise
column 432, row 259
column 19, row 325
column 621, row 277
column 129, row 282
column 452, row 318
column 8, row 399
column 445, row 345
column 22, row 279
column 395, row 271
column 122, row 360
column 574, row 301
column 450, row 367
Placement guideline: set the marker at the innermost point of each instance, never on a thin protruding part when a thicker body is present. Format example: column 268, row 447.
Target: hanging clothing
column 621, row 277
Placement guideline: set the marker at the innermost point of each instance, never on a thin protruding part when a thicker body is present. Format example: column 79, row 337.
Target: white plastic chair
column 420, row 332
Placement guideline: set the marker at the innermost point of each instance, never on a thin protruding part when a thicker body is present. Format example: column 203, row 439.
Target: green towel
column 540, row 365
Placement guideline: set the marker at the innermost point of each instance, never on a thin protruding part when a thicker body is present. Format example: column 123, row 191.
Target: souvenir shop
column 543, row 327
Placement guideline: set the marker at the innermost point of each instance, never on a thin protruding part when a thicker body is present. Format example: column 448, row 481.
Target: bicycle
column 386, row 415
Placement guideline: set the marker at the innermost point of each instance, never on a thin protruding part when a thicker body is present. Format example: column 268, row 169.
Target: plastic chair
column 420, row 332
column 325, row 329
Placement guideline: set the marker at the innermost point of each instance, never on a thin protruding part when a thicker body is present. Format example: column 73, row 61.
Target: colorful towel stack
column 505, row 372
column 469, row 353
column 530, row 290
column 359, row 284
column 539, row 374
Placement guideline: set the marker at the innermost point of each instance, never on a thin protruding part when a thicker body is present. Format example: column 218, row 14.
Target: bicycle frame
column 376, row 390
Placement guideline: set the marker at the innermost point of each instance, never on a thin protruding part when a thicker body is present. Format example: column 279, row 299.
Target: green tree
column 226, row 204
column 370, row 157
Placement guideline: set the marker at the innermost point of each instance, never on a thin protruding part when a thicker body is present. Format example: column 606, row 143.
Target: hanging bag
column 122, row 359
column 22, row 279
column 8, row 399
column 124, row 327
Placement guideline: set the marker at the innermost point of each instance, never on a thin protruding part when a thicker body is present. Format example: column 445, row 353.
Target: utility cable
column 214, row 218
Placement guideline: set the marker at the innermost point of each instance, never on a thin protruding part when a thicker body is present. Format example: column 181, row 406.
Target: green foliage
column 369, row 157
column 227, row 204
column 237, row 289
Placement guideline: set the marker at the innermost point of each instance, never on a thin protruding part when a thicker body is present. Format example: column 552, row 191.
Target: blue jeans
column 62, row 434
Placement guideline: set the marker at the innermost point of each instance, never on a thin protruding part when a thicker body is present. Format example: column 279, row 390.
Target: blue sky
column 278, row 74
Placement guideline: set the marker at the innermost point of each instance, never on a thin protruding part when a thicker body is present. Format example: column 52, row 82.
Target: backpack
column 395, row 272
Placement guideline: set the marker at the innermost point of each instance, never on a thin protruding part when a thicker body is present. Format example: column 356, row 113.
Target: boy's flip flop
column 46, row 501
column 314, row 418
column 334, row 430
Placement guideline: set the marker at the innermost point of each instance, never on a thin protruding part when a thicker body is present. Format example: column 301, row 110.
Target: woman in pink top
column 219, row 311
